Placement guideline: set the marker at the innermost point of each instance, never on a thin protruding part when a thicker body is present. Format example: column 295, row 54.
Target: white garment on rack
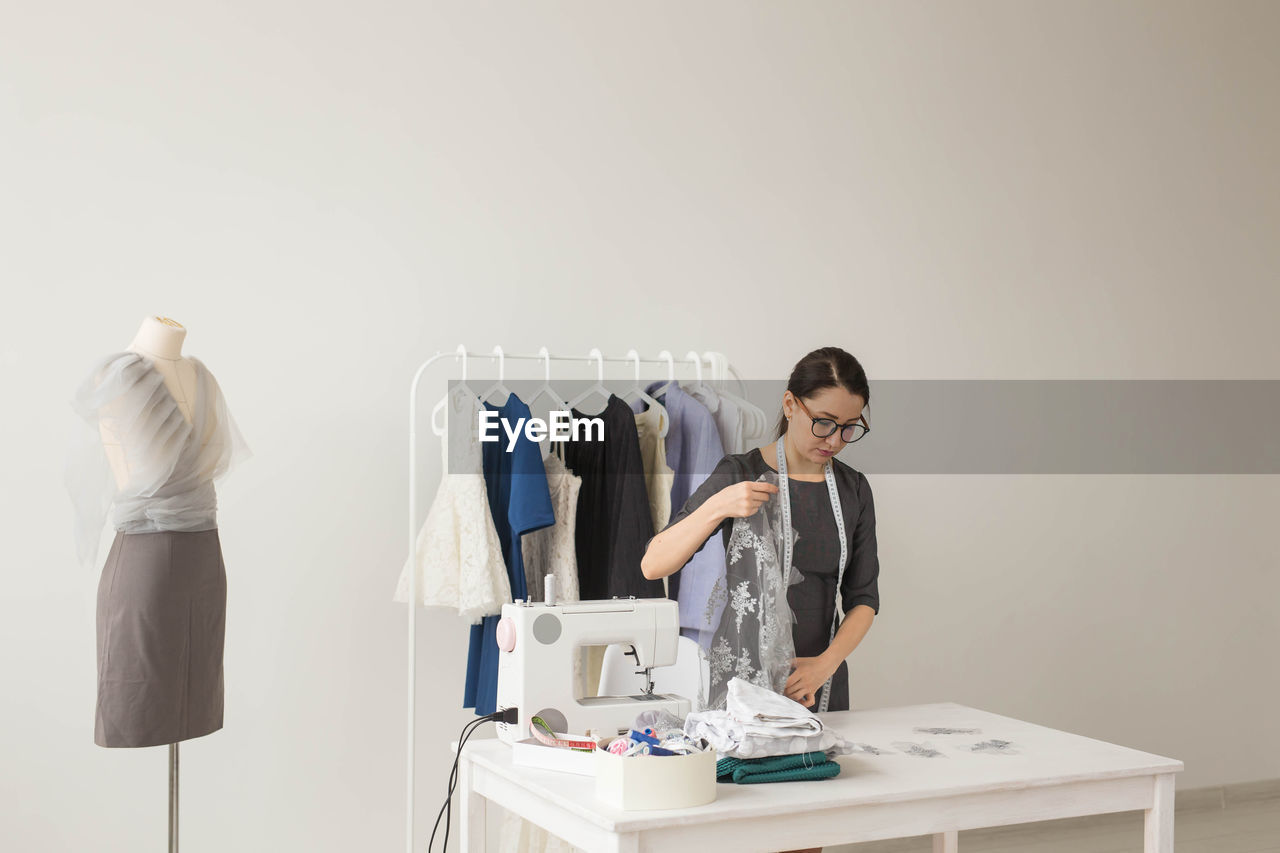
column 728, row 418
column 725, row 413
column 551, row 550
column 658, row 475
column 757, row 723
column 458, row 556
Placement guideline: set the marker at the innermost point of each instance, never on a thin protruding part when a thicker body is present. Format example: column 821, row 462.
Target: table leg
column 472, row 831
column 946, row 842
column 1158, row 822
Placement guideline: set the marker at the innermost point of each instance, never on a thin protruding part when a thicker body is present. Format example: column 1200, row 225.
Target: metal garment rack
column 720, row 369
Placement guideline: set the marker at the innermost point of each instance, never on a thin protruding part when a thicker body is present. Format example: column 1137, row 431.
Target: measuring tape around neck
column 785, row 493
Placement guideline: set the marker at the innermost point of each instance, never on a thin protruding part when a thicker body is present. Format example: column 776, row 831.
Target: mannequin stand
column 173, row 798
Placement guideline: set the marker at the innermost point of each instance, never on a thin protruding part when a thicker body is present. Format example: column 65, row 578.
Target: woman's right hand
column 744, row 499
column 669, row 550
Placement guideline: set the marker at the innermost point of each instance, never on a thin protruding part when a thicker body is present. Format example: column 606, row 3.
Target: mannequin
column 161, row 434
column 159, row 338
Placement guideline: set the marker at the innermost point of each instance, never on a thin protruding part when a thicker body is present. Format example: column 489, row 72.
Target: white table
column 888, row 795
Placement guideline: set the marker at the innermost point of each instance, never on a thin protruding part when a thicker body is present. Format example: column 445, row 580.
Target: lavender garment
column 693, row 451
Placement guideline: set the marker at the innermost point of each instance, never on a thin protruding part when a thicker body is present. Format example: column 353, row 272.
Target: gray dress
column 812, row 595
column 161, row 610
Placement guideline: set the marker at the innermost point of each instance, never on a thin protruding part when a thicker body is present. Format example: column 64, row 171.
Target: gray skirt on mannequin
column 162, row 603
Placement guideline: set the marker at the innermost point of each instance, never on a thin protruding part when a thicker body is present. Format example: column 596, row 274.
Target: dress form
column 159, row 339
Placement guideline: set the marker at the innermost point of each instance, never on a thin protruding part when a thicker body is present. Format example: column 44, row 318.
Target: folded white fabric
column 757, row 723
column 764, row 713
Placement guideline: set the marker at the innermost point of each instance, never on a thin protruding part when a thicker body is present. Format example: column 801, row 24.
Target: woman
column 822, row 411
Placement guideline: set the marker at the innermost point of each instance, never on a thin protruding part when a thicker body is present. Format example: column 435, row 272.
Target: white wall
column 326, row 195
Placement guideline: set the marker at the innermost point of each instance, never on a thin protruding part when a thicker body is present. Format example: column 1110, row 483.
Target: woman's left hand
column 807, row 679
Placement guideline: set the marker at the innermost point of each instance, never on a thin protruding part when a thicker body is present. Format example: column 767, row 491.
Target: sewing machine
column 539, row 643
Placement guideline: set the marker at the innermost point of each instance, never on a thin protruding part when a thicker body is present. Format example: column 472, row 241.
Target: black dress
column 613, row 521
column 816, row 552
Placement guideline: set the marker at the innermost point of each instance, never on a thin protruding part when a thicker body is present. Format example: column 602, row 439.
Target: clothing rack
column 692, row 359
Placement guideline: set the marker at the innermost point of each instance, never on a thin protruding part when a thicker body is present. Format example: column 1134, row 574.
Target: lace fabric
column 551, row 550
column 748, row 612
column 458, row 554
column 171, row 462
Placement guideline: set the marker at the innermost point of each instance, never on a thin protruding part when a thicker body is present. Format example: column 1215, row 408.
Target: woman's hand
column 744, row 499
column 807, row 678
column 669, row 550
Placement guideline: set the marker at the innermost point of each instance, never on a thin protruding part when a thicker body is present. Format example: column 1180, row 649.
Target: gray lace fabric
column 748, row 609
column 172, row 463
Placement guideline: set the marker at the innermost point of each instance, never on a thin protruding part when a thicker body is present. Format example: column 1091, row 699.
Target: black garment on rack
column 613, row 523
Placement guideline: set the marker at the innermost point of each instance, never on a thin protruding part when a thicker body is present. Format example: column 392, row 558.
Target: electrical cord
column 507, row 715
column 447, row 809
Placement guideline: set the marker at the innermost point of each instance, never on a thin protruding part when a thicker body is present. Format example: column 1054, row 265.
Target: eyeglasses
column 823, row 427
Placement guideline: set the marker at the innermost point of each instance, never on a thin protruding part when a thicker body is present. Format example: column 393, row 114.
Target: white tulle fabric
column 458, row 556
column 171, row 462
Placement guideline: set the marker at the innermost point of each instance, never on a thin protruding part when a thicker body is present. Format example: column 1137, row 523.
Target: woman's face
column 836, row 404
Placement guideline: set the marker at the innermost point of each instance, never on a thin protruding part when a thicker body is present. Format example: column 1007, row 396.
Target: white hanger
column 697, row 368
column 557, row 401
column 754, row 420
column 498, row 386
column 671, row 373
column 598, row 388
column 663, row 424
column 441, row 428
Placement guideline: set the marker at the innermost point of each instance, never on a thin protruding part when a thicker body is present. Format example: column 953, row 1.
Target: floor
column 1245, row 827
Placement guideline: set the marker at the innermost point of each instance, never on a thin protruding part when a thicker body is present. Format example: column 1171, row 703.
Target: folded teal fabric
column 825, row 770
column 777, row 768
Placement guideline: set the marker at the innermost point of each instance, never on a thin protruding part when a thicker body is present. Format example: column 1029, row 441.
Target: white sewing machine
column 538, row 644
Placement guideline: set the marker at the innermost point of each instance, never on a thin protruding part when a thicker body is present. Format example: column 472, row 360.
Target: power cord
column 507, row 715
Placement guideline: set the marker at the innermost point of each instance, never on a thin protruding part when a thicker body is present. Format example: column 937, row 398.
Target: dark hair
column 829, row 367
